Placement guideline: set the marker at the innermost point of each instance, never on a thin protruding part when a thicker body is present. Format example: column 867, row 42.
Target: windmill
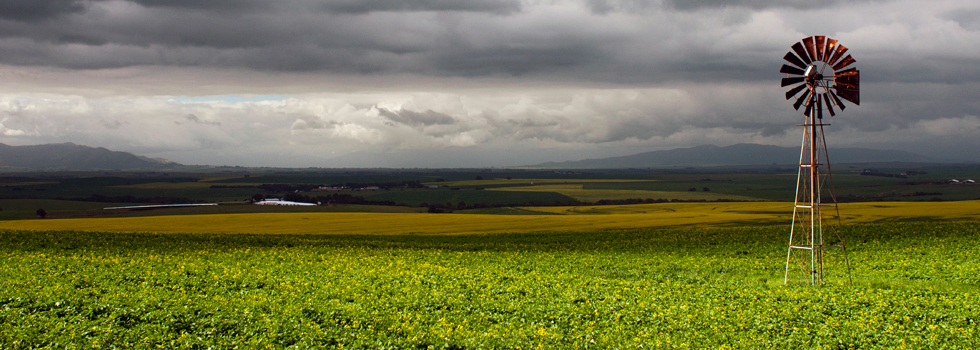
column 824, row 75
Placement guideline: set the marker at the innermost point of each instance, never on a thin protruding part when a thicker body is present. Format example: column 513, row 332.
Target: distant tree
column 423, row 205
column 706, row 189
column 509, row 177
column 692, row 189
column 478, row 177
column 258, row 197
column 440, row 179
column 41, row 213
column 461, row 205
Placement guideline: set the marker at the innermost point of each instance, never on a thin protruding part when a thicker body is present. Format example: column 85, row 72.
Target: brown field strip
column 570, row 219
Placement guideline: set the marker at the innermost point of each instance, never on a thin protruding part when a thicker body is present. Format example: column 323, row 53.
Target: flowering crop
column 572, row 219
column 916, row 286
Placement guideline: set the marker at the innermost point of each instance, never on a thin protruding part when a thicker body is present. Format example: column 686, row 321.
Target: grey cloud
column 367, row 6
column 413, row 118
column 528, row 123
column 194, row 119
column 516, row 60
column 227, row 5
column 38, row 10
column 641, row 129
column 691, row 5
column 969, row 19
column 437, row 38
column 607, row 6
column 115, row 124
column 313, row 123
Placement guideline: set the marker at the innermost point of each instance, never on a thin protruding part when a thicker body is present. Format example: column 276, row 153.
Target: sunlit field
column 684, row 275
column 590, row 195
column 915, row 286
column 566, row 219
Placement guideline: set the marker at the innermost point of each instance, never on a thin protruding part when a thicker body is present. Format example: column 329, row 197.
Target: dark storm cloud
column 690, row 40
column 516, row 61
column 413, row 118
column 443, row 38
column 38, row 10
column 367, row 6
column 916, row 65
column 226, row 5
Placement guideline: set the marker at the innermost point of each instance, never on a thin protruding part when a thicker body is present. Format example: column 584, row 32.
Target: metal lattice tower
column 822, row 70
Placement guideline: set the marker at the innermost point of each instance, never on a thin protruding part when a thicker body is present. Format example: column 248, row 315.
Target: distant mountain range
column 69, row 156
column 72, row 157
column 740, row 154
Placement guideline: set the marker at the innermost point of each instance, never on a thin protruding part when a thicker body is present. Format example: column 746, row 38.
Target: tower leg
column 809, row 200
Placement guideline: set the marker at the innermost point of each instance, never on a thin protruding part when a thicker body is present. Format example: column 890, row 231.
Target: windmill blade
column 819, row 108
column 831, row 46
column 800, row 100
column 830, row 107
column 791, row 58
column 790, row 81
column 841, row 49
column 820, row 46
column 844, row 62
column 848, row 78
column 847, row 72
column 808, row 44
column 798, row 48
column 837, row 100
column 792, row 92
column 791, row 70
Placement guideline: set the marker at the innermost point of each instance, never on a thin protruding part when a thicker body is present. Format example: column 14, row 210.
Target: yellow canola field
column 586, row 195
column 567, row 219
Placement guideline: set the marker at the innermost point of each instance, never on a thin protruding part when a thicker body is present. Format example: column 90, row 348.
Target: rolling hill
column 740, row 154
column 69, row 156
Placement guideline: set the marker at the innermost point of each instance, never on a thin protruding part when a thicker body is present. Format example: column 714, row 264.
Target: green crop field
column 915, row 286
column 656, row 275
column 579, row 193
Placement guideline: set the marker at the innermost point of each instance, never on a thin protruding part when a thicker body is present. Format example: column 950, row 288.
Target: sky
column 478, row 83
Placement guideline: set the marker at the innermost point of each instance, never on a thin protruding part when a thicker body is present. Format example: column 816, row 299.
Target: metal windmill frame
column 816, row 55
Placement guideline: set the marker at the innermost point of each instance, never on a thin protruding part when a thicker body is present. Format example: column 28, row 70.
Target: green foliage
column 415, row 197
column 916, row 286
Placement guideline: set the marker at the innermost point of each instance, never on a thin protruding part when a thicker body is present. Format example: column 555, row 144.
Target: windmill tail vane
column 820, row 77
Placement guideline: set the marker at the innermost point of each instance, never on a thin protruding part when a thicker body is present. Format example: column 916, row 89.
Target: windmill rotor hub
column 811, row 72
column 820, row 68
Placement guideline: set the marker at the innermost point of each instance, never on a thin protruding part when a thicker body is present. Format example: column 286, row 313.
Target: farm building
column 276, row 201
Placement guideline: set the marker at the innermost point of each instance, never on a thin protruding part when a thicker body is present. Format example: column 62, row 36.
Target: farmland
column 564, row 219
column 916, row 286
column 692, row 269
column 84, row 194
